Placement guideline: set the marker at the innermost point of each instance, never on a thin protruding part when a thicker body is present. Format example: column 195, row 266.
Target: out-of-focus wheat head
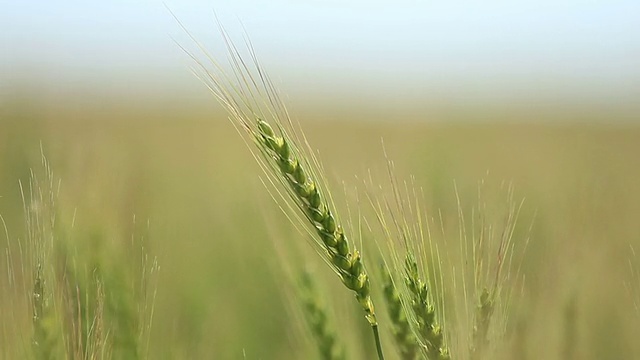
column 317, row 319
column 461, row 270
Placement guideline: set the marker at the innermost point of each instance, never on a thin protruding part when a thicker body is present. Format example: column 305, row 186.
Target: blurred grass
column 195, row 192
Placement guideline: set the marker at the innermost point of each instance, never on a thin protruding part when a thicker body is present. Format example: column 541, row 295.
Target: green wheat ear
column 429, row 330
column 316, row 317
column 250, row 98
column 347, row 263
column 44, row 341
column 401, row 329
column 484, row 310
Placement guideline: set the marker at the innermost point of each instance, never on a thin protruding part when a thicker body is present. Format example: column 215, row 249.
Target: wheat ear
column 43, row 345
column 346, row 262
column 250, row 98
column 484, row 310
column 425, row 313
column 316, row 317
column 405, row 340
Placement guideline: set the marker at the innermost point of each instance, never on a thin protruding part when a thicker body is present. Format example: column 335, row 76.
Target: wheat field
column 166, row 243
column 250, row 225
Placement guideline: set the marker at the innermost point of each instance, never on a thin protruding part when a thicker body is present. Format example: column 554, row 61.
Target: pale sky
column 493, row 49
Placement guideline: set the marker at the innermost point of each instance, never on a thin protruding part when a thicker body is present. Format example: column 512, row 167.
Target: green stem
column 376, row 335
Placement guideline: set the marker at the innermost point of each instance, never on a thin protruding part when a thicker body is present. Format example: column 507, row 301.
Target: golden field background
column 183, row 173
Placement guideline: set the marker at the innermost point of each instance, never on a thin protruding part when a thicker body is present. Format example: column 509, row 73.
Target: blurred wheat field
column 178, row 177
